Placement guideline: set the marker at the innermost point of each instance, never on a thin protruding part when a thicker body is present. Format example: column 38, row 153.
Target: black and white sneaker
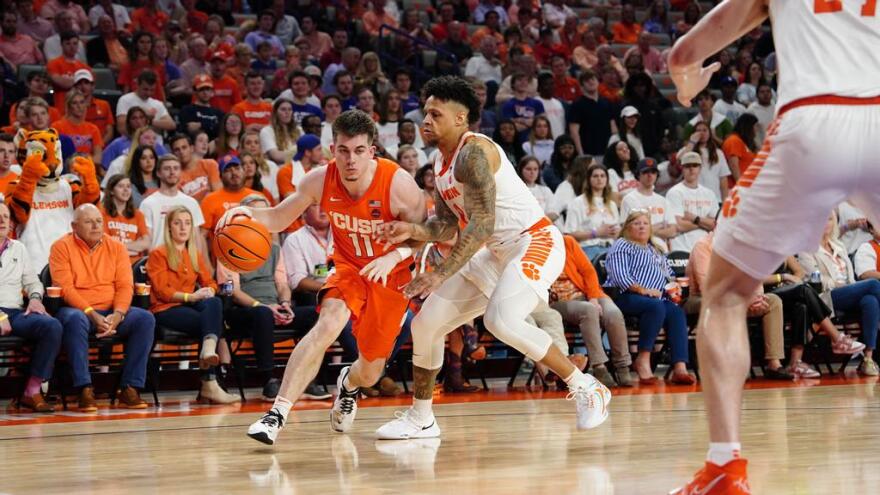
column 270, row 389
column 409, row 424
column 314, row 392
column 267, row 428
column 345, row 406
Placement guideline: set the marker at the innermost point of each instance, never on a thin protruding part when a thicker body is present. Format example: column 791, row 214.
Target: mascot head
column 46, row 144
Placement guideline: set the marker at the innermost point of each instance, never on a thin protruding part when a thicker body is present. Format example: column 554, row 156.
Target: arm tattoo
column 475, row 172
column 440, row 227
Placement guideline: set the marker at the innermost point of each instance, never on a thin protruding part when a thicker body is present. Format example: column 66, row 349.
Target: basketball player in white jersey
column 821, row 149
column 480, row 197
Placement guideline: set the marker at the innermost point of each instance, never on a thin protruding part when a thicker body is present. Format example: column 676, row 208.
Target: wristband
column 595, row 234
column 404, row 252
column 283, row 302
column 88, row 310
column 36, row 295
column 256, row 303
column 186, row 297
column 778, row 278
column 4, row 316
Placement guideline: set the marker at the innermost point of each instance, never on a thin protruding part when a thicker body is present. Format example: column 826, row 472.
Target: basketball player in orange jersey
column 501, row 266
column 359, row 193
column 821, row 149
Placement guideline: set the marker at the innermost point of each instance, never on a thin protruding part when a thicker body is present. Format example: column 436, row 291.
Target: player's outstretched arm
column 723, row 25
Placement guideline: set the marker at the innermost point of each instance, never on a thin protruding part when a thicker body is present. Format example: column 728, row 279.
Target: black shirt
column 209, row 117
column 594, row 118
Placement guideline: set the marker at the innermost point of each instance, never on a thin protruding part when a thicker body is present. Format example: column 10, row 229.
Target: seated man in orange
column 94, row 273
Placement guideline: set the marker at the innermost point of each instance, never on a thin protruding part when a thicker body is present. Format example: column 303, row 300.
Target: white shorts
column 814, row 157
column 537, row 255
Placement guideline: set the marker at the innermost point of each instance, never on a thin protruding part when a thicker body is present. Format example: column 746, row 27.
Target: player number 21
column 356, row 242
column 869, row 9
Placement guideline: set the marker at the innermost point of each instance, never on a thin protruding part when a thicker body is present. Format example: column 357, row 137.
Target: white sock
column 346, row 384
column 282, row 406
column 423, row 407
column 721, row 453
column 578, row 376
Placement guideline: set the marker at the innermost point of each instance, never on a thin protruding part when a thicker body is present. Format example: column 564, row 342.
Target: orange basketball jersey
column 353, row 222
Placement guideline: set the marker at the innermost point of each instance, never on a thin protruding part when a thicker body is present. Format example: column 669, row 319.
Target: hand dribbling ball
column 243, row 245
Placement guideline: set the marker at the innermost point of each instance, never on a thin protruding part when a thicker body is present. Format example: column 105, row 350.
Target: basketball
column 243, row 245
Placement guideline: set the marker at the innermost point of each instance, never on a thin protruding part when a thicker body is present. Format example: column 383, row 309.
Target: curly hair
column 453, row 88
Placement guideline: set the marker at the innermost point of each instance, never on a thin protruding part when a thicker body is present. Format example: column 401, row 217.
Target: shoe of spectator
column 407, row 425
column 869, row 367
column 345, row 406
column 624, row 377
column 35, row 403
column 212, row 393
column 846, row 345
column 802, row 370
column 601, row 373
column 591, row 402
column 266, row 429
column 128, row 398
column 87, row 402
column 729, row 479
column 679, row 378
column 208, row 357
column 370, row 392
column 389, row 388
column 780, row 374
column 270, row 389
column 314, row 392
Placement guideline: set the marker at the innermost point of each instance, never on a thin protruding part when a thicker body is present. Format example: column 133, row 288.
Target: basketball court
column 809, row 437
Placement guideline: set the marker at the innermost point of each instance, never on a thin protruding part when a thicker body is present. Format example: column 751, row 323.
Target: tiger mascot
column 41, row 202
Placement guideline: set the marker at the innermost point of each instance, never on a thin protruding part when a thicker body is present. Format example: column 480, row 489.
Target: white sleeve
column 267, row 139
column 865, row 259
column 196, row 210
column 294, row 262
column 161, row 110
column 675, row 202
column 722, row 162
column 669, row 218
column 563, row 195
column 574, row 216
column 123, row 105
column 625, row 207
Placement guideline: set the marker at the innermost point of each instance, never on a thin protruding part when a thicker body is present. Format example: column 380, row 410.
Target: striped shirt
column 628, row 263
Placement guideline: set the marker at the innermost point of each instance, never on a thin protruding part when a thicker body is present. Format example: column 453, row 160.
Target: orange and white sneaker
column 729, row 479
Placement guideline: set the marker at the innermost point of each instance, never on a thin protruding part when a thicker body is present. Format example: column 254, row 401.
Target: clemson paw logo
column 729, row 209
column 531, row 271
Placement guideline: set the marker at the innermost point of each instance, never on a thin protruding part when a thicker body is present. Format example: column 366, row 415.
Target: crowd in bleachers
column 185, row 108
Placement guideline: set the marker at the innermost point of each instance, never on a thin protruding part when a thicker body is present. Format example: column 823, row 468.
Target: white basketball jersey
column 826, row 47
column 516, row 209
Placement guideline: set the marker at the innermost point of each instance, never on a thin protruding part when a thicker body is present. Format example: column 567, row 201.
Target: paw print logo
column 531, row 271
column 729, row 209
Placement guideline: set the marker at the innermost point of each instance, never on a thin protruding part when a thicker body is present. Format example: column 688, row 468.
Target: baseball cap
column 646, row 164
column 228, row 161
column 304, row 143
column 727, row 80
column 628, row 111
column 312, row 70
column 691, row 157
column 219, row 54
column 202, row 81
column 83, row 75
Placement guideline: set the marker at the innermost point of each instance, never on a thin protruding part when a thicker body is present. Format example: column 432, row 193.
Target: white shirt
column 130, row 100
column 852, row 239
column 700, row 201
column 119, row 15
column 731, row 111
column 633, row 141
column 387, row 135
column 656, row 204
column 555, row 16
column 303, row 251
column 543, row 194
column 480, row 68
column 717, row 119
column 17, row 273
column 765, row 117
column 268, row 142
column 561, row 198
column 865, row 259
column 157, row 205
column 624, row 185
column 542, row 150
column 269, row 180
column 578, row 219
column 711, row 174
column 555, row 112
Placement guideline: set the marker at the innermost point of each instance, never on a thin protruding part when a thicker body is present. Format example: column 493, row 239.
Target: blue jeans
column 201, row 319
column 42, row 330
column 653, row 315
column 862, row 297
column 594, row 252
column 138, row 328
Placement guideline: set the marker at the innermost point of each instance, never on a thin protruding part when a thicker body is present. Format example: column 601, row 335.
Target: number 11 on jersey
column 357, row 240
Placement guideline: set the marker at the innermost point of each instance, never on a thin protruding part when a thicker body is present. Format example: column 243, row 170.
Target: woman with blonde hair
column 278, row 140
column 369, row 73
column 183, row 297
column 593, row 218
column 640, row 272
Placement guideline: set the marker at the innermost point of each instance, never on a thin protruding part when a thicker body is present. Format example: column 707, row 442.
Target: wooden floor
column 799, row 439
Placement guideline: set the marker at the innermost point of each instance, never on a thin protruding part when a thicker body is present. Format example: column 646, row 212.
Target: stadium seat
column 104, row 79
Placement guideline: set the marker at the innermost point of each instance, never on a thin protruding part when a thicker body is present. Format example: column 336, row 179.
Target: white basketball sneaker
column 267, row 428
column 591, row 401
column 345, row 405
column 408, row 425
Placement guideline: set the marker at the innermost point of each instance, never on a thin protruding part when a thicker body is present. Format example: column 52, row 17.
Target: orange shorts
column 377, row 311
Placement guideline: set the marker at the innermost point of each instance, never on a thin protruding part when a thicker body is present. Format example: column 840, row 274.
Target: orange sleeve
column 207, row 206
column 160, row 276
column 585, row 269
column 213, row 171
column 62, row 269
column 733, row 147
column 269, row 197
column 236, row 93
column 284, row 179
column 205, row 278
column 141, row 224
column 123, row 279
column 97, row 138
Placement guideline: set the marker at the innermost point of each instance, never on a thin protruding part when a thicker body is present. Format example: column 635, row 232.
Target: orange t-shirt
column 226, row 93
column 284, row 179
column 85, row 135
column 125, row 230
column 60, row 66
column 735, row 146
column 166, row 280
column 626, row 34
column 196, row 181
column 353, row 221
column 150, row 21
column 99, row 114
column 216, row 203
column 54, row 114
column 260, row 113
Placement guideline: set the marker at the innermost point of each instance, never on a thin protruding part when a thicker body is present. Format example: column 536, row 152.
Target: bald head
column 88, row 224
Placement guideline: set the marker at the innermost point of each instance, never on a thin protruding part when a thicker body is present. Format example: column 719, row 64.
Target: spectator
column 529, row 170
column 51, row 8
column 505, row 136
column 390, row 114
column 198, row 60
column 693, row 205
column 719, row 124
column 641, row 93
column 481, row 13
column 579, row 298
column 226, row 90
column 741, row 146
column 15, row 47
column 540, row 143
column 215, row 204
column 30, row 322
column 657, row 20
column 855, row 229
column 747, row 92
column 629, row 130
column 727, row 105
column 308, row 156
column 107, row 48
column 376, row 16
column 408, row 135
column 590, row 118
column 351, row 58
column 241, row 64
column 556, row 13
column 149, row 18
column 865, row 260
column 639, row 270
column 457, row 45
column 117, row 13
column 554, row 109
column 622, row 160
column 7, row 160
column 560, row 161
column 98, row 111
column 521, row 63
column 229, row 137
column 716, row 171
column 338, row 40
column 255, row 111
column 488, row 119
column 156, row 112
column 565, row 87
column 491, row 29
column 663, row 223
column 301, row 98
column 267, row 169
column 253, row 175
column 64, row 23
column 627, row 30
column 764, row 109
column 62, row 68
column 586, row 55
column 183, row 296
column 407, row 157
column 593, row 218
column 142, row 57
column 445, row 23
column 611, row 87
column 264, row 32
column 653, row 61
column 156, row 206
column 123, row 222
column 575, row 178
column 198, row 177
column 200, row 114
column 145, row 136
column 265, row 64
column 546, row 48
column 366, row 102
column 846, row 294
column 287, row 27
column 195, row 18
column 94, row 273
column 142, row 174
column 86, row 137
column 136, row 118
column 319, row 42
column 522, row 108
column 692, row 14
column 484, row 65
column 30, row 24
column 38, row 86
column 278, row 141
